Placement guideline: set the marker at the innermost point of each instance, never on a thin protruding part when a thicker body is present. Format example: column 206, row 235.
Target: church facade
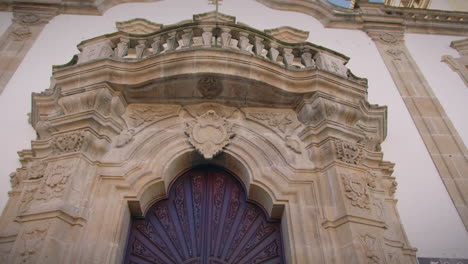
column 199, row 138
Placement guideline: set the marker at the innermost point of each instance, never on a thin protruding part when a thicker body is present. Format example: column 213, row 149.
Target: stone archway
column 206, row 219
column 133, row 110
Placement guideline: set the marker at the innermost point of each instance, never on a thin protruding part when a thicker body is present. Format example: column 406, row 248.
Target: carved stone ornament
column 395, row 53
column 21, row 33
column 27, row 198
column 14, row 180
column 32, row 243
column 140, row 114
column 29, row 18
column 288, row 34
column 275, row 120
column 370, row 245
column 138, row 26
column 36, row 170
column 293, row 144
column 209, row 87
column 348, row 152
column 55, row 183
column 389, row 38
column 67, row 143
column 124, row 138
column 356, row 191
column 209, row 133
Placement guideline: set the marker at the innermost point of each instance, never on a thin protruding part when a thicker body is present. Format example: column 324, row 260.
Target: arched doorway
column 206, row 219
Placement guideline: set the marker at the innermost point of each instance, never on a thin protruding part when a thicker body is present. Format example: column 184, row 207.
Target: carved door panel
column 205, row 220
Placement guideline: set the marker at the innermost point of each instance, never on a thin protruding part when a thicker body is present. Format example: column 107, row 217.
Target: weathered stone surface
column 304, row 147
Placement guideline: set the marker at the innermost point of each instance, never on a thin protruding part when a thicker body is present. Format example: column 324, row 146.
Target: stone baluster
column 273, row 52
column 258, row 46
column 122, row 48
column 288, row 57
column 140, row 48
column 187, row 40
column 243, row 41
column 306, row 59
column 171, row 41
column 207, row 36
column 225, row 38
column 157, row 45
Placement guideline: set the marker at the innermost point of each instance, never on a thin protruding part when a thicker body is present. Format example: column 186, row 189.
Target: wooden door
column 205, row 220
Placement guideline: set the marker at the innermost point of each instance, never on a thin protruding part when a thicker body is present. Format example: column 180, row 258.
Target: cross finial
column 216, row 3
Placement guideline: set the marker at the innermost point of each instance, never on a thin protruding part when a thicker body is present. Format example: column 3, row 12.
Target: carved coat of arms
column 209, row 133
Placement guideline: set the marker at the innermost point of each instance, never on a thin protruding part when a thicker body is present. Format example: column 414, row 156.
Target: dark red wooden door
column 205, row 220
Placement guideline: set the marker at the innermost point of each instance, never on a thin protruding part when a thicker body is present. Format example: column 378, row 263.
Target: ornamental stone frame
column 131, row 112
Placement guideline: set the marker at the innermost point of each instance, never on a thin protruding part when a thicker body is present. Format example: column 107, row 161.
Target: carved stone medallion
column 209, row 87
column 209, row 133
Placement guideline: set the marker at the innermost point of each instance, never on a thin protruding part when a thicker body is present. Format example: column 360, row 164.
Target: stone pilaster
column 357, row 189
column 27, row 24
column 445, row 146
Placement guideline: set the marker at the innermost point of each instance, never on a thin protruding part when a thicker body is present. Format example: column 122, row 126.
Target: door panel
column 205, row 220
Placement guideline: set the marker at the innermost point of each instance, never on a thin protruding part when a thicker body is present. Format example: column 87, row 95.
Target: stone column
column 447, row 150
column 27, row 24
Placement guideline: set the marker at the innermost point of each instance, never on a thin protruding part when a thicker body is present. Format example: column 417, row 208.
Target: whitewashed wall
column 431, row 222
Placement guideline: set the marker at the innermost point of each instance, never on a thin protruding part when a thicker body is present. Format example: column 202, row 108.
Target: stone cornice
column 412, row 19
column 84, row 7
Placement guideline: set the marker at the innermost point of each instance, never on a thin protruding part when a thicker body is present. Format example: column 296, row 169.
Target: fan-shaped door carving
column 205, row 220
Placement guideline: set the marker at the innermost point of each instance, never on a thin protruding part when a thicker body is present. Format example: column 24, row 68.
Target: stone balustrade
column 211, row 35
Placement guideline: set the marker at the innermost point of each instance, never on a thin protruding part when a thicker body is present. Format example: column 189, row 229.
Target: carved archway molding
column 134, row 111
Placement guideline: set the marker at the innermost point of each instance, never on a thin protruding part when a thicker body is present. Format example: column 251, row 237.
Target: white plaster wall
column 5, row 18
column 446, row 84
column 428, row 215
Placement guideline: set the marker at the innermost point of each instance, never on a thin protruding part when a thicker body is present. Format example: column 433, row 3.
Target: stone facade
column 134, row 111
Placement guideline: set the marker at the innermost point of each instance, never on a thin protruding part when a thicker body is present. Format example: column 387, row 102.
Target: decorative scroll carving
column 67, row 143
column 209, row 133
column 348, row 152
column 33, row 240
column 140, row 114
column 293, row 144
column 370, row 245
column 275, row 120
column 209, row 87
column 356, row 191
column 36, row 169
